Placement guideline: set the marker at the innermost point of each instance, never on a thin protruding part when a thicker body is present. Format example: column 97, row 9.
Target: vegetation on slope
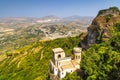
column 32, row 62
column 111, row 8
column 102, row 61
column 99, row 62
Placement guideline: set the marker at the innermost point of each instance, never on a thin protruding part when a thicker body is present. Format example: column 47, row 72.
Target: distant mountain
column 78, row 18
column 17, row 32
column 51, row 17
column 46, row 19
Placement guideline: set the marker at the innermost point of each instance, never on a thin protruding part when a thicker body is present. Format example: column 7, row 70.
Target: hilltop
column 100, row 28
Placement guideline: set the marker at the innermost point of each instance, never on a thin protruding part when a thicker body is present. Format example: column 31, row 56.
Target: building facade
column 60, row 65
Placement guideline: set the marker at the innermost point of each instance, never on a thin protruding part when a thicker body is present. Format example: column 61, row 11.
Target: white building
column 60, row 64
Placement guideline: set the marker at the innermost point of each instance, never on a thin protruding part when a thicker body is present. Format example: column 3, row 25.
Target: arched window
column 76, row 57
column 59, row 56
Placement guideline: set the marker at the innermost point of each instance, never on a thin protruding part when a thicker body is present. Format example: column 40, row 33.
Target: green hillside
column 32, row 62
column 100, row 62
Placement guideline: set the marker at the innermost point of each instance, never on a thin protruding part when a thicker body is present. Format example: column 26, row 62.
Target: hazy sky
column 61, row 8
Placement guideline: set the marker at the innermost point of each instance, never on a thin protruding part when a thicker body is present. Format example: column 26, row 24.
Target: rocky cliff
column 99, row 30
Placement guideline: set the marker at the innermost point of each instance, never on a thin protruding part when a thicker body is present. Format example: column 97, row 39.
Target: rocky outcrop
column 99, row 30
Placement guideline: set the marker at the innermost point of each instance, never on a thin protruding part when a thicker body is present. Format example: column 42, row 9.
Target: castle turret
column 77, row 53
column 58, row 53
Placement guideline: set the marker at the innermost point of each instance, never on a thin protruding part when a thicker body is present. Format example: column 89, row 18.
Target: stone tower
column 77, row 54
column 58, row 53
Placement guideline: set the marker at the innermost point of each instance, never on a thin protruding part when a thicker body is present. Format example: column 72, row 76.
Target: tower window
column 76, row 57
column 59, row 56
column 79, row 57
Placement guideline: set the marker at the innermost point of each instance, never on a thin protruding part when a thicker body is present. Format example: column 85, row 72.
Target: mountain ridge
column 100, row 28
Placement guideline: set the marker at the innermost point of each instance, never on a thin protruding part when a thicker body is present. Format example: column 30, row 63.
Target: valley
column 18, row 32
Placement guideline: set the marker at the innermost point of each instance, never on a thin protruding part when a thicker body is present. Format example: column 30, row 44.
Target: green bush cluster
column 108, row 17
column 115, row 8
column 101, row 61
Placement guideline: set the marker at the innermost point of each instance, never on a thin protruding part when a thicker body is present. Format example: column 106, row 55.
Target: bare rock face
column 99, row 30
